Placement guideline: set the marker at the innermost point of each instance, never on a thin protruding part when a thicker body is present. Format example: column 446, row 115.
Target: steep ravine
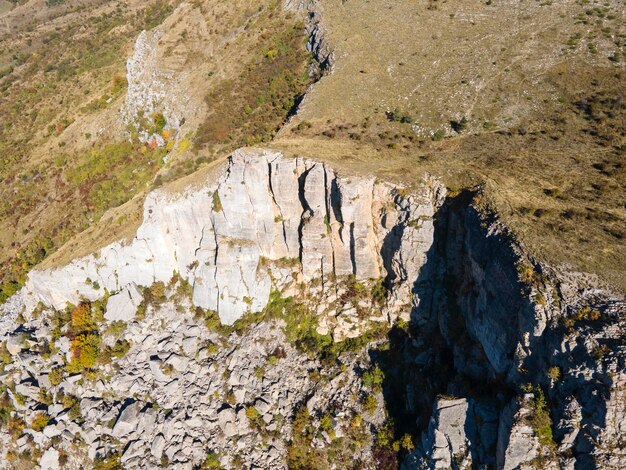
column 492, row 359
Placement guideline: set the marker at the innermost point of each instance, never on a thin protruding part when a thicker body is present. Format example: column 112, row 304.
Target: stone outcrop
column 268, row 222
column 152, row 90
column 317, row 43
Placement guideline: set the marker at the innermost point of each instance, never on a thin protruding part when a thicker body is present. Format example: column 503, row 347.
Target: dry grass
column 439, row 60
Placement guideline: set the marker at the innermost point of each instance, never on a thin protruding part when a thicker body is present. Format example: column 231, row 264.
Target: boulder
column 128, row 420
column 14, row 345
column 123, row 305
column 50, row 460
column 158, row 444
column 226, row 419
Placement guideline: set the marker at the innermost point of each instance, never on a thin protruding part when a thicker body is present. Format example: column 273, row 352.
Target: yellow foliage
column 407, row 443
column 85, row 350
column 81, row 318
column 184, row 145
column 157, row 290
column 39, row 422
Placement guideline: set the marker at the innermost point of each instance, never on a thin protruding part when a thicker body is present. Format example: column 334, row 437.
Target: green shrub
column 212, row 321
column 370, row 404
column 326, row 423
column 116, row 328
column 379, row 292
column 540, row 420
column 438, row 135
column 56, row 376
column 159, row 122
column 212, row 462
column 459, row 126
column 384, row 435
column 373, row 379
column 398, row 116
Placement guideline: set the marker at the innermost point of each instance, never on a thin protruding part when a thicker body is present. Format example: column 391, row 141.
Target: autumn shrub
column 5, row 356
column 255, row 418
column 301, row 455
column 81, row 319
column 157, row 292
column 85, row 351
column 40, row 421
column 15, row 427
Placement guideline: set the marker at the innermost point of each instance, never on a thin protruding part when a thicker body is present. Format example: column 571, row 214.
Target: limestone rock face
column 538, row 374
column 518, row 444
column 461, row 432
column 268, row 222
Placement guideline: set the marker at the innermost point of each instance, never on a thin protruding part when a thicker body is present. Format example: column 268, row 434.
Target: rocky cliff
column 266, row 223
column 281, row 314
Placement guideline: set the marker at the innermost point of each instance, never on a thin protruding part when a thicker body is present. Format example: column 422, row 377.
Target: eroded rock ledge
column 268, row 222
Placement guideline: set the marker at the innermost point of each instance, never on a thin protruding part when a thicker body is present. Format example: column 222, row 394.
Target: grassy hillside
column 66, row 155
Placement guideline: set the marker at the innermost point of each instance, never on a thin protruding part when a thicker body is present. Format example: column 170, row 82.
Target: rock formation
column 266, row 223
column 494, row 360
